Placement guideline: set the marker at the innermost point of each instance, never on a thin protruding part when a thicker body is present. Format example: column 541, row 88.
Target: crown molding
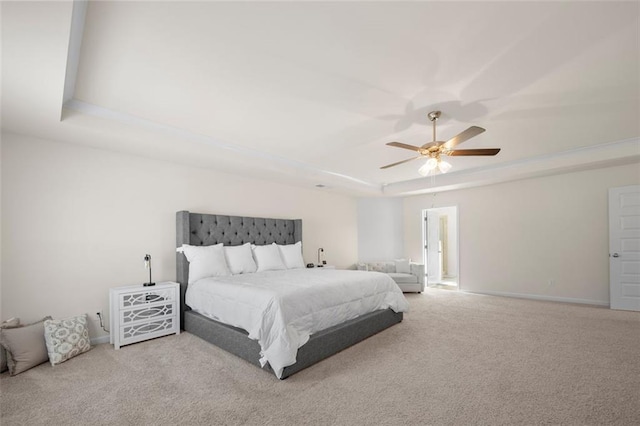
column 330, row 178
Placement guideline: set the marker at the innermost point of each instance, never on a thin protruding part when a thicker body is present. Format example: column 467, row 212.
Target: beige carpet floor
column 457, row 359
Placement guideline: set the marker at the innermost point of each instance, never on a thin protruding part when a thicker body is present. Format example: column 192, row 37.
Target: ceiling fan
column 433, row 150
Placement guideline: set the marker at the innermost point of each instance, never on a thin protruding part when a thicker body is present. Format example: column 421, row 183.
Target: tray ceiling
column 310, row 92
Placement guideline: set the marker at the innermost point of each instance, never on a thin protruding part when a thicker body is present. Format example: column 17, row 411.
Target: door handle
column 615, row 255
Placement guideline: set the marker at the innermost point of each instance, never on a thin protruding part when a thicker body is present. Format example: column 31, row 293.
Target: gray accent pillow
column 25, row 346
column 10, row 323
column 66, row 338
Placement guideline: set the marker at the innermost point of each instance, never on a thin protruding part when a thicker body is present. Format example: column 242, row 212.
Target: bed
column 197, row 229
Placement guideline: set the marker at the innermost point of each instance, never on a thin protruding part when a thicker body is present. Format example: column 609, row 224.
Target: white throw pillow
column 205, row 261
column 268, row 258
column 292, row 255
column 240, row 259
column 402, row 266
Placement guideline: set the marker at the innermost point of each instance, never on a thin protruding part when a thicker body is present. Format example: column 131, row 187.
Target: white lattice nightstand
column 140, row 313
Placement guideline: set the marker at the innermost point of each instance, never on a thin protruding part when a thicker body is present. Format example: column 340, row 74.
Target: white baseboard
column 99, row 340
column 542, row 297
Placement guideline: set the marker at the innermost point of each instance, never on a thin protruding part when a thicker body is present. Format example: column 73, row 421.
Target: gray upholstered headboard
column 199, row 229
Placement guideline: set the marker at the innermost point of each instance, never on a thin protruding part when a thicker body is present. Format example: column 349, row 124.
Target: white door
column 624, row 247
column 434, row 270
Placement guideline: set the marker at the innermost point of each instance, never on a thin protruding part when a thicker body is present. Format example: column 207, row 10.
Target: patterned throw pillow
column 386, row 267
column 66, row 338
column 376, row 267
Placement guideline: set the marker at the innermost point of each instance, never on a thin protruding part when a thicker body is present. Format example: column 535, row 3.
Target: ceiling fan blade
column 404, row 145
column 481, row 151
column 466, row 135
column 400, row 162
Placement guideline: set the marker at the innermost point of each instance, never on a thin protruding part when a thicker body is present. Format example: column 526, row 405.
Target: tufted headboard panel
column 209, row 229
column 199, row 229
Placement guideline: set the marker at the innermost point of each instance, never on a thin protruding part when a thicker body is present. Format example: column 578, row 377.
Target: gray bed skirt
column 320, row 345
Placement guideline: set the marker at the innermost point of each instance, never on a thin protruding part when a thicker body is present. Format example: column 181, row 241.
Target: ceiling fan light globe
column 431, row 163
column 428, row 167
column 444, row 167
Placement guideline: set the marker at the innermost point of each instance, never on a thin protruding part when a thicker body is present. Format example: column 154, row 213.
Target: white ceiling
column 309, row 92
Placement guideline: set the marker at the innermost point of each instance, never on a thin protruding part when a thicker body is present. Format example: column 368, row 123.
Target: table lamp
column 147, row 264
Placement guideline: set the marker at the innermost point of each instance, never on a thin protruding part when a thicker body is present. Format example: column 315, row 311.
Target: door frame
column 617, row 253
column 424, row 238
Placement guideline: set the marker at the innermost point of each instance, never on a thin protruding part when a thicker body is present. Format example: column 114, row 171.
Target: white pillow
column 205, row 261
column 292, row 255
column 240, row 259
column 268, row 258
column 402, row 266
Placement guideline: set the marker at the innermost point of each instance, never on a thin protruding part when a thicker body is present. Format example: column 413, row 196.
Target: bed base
column 320, row 345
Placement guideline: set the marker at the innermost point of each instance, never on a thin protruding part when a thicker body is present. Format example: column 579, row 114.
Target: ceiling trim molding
column 78, row 18
column 128, row 119
column 622, row 152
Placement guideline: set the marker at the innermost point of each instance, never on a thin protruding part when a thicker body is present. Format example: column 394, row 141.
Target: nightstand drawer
column 147, row 312
column 147, row 330
column 144, row 297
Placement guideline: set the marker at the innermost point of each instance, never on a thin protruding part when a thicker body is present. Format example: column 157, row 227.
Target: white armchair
column 408, row 275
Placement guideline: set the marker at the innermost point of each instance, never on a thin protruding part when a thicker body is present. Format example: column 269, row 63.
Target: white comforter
column 281, row 309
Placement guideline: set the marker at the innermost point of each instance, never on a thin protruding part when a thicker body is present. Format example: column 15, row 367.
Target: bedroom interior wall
column 380, row 229
column 77, row 221
column 544, row 238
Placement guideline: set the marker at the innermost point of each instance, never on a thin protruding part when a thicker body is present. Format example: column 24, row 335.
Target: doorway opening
column 440, row 242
